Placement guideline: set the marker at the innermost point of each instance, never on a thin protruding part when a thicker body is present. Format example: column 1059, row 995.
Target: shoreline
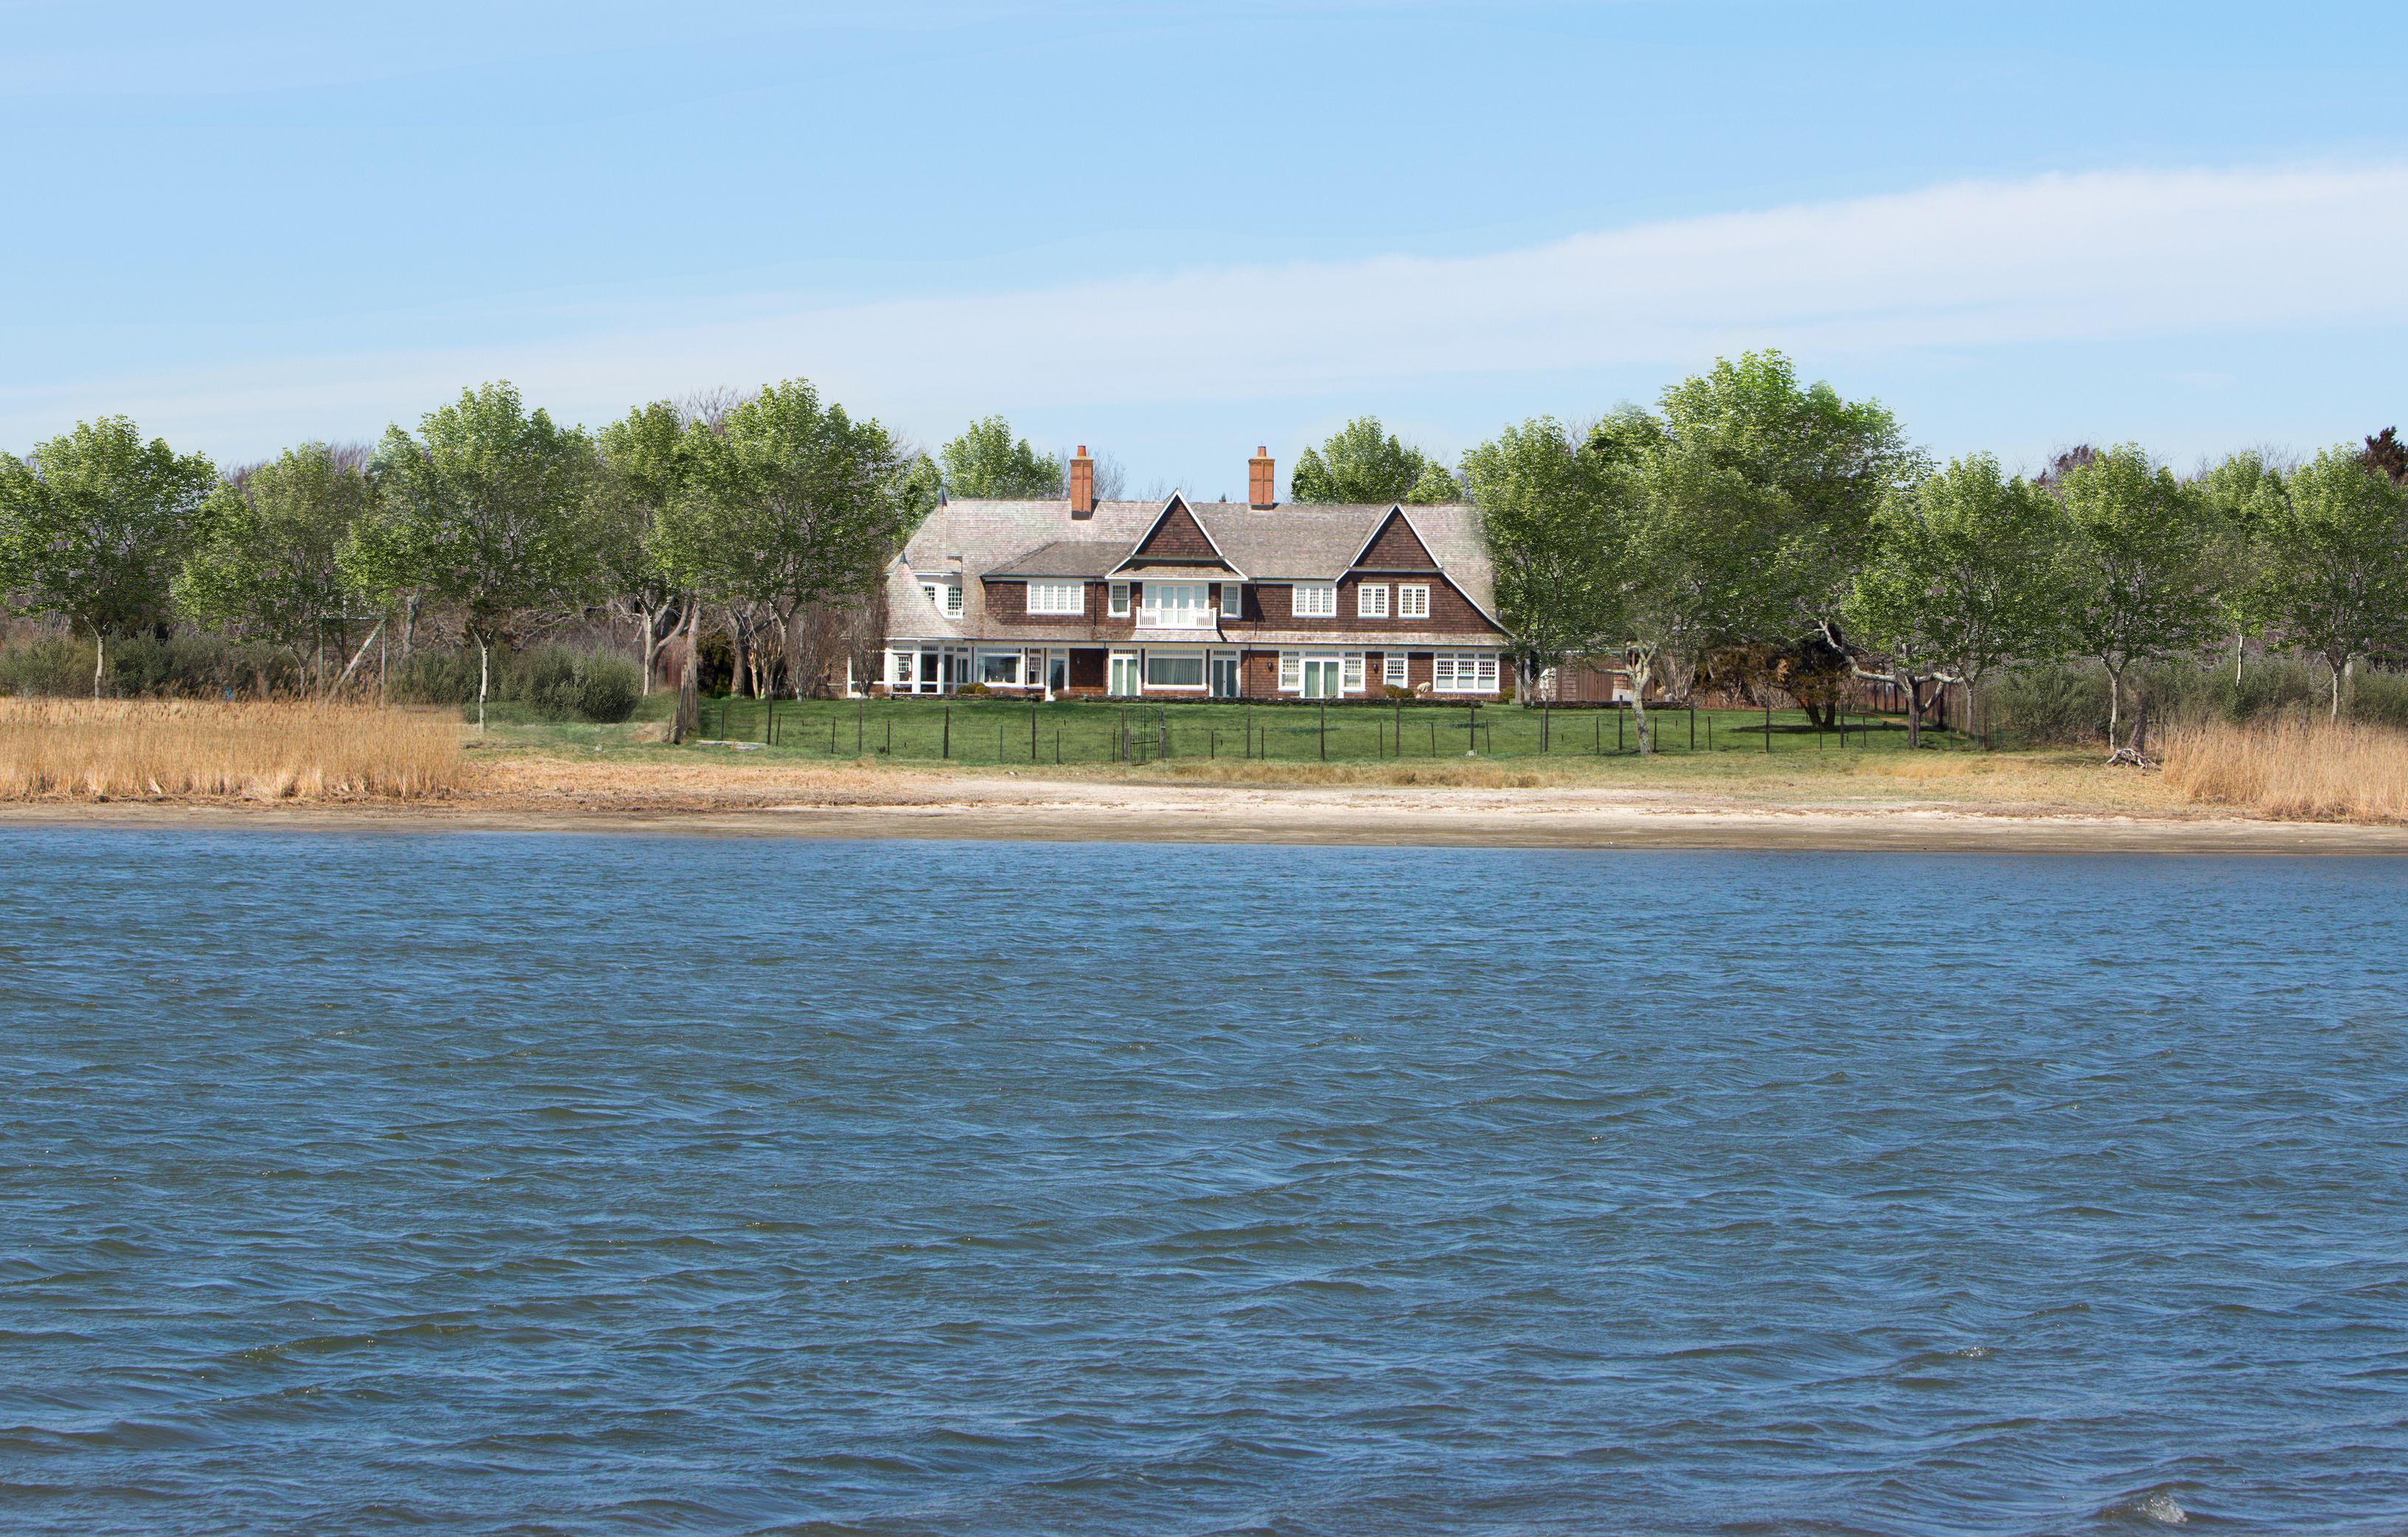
column 1042, row 812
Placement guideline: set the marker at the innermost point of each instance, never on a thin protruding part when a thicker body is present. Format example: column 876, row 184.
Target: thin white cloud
column 1968, row 264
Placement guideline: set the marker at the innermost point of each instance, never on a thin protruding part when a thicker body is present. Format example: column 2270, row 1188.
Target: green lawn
column 1007, row 732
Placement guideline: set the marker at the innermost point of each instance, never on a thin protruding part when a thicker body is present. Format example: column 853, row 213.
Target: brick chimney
column 1082, row 484
column 1261, row 480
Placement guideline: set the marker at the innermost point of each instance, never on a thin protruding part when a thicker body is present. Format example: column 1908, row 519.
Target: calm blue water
column 484, row 1184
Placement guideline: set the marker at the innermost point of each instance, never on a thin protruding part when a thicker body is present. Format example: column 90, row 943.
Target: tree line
column 1748, row 527
column 763, row 509
column 1751, row 521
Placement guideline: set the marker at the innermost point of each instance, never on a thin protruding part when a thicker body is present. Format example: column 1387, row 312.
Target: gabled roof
column 1180, row 503
column 1295, row 541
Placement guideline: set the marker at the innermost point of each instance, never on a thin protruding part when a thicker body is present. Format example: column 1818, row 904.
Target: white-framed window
column 1392, row 670
column 1058, row 598
column 1412, row 600
column 946, row 596
column 899, row 669
column 999, row 666
column 1175, row 669
column 1119, row 600
column 1176, row 606
column 1124, row 673
column 1321, row 675
column 1464, row 672
column 1233, row 600
column 1316, row 600
column 1372, row 601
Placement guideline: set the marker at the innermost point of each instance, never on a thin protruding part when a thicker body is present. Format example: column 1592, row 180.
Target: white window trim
column 1351, row 674
column 1447, row 669
column 1412, row 600
column 1078, row 593
column 1394, row 673
column 1233, row 600
column 1118, row 600
column 1325, row 596
column 1372, row 601
column 978, row 665
column 1145, row 670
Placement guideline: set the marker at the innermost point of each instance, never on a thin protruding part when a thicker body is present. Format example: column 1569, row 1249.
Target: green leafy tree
column 1362, row 462
column 2332, row 568
column 2240, row 494
column 268, row 560
column 2141, row 565
column 1833, row 461
column 987, row 461
column 1547, row 513
column 486, row 508
column 1697, row 537
column 646, row 464
column 1434, row 486
column 1963, row 579
column 793, row 504
column 94, row 525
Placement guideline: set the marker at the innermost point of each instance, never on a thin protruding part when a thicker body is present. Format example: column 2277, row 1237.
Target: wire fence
column 1003, row 731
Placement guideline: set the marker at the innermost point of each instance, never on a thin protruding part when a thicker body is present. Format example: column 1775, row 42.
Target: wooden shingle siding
column 1177, row 538
column 1395, row 547
column 1451, row 613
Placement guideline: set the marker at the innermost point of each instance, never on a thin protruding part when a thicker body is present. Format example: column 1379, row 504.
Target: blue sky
column 1174, row 231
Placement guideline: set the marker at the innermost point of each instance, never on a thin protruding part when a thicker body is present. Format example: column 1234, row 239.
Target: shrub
column 185, row 665
column 554, row 684
column 609, row 689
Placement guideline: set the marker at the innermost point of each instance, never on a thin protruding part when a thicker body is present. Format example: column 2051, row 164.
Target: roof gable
column 1177, row 539
column 1394, row 545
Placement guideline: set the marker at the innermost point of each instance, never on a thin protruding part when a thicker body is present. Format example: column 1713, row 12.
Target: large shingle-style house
column 1184, row 600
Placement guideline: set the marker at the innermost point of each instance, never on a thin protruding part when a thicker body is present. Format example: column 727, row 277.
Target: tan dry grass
column 134, row 749
column 2296, row 768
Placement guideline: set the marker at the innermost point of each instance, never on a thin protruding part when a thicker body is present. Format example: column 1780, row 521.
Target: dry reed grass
column 1259, row 771
column 2294, row 768
column 53, row 749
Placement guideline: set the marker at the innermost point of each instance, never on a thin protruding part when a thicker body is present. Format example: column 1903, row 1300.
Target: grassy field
column 1008, row 733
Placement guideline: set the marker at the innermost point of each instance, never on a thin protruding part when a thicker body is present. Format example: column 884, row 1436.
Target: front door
column 931, row 680
column 1124, row 673
column 1224, row 675
column 1321, row 677
column 1057, row 672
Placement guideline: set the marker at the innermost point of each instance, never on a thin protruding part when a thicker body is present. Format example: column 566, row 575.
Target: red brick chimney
column 1262, row 481
column 1082, row 484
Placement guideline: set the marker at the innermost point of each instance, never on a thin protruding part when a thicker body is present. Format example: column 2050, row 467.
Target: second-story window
column 1233, row 600
column 1119, row 600
column 1316, row 600
column 1058, row 598
column 1371, row 602
column 1412, row 602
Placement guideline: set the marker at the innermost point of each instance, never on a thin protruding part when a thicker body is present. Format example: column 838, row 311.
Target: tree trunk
column 688, row 719
column 99, row 659
column 2336, row 687
column 2115, row 700
column 1641, row 672
column 1912, row 686
column 740, row 676
column 409, row 625
column 2239, row 640
column 485, row 678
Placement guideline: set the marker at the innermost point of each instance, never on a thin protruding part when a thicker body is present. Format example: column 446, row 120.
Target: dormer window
column 944, row 595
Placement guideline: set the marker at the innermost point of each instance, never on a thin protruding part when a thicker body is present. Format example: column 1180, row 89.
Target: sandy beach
column 850, row 801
